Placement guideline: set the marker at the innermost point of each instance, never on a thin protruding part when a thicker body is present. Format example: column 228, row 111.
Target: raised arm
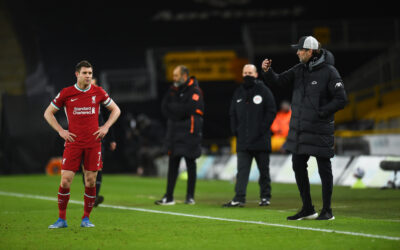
column 283, row 80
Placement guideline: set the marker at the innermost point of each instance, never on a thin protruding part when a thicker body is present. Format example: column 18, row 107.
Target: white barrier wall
column 224, row 167
column 374, row 176
column 286, row 174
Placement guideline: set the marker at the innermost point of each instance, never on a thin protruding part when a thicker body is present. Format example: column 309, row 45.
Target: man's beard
column 178, row 83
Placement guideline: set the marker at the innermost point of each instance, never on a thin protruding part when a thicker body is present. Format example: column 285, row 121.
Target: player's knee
column 90, row 182
column 65, row 183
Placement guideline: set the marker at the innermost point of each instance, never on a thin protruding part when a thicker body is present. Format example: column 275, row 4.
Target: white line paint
column 38, row 197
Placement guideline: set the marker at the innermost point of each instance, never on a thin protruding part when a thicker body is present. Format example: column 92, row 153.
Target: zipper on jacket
column 247, row 126
column 300, row 108
column 247, row 117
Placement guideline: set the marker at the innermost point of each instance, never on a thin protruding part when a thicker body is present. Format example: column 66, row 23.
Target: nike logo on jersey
column 72, row 100
column 239, row 100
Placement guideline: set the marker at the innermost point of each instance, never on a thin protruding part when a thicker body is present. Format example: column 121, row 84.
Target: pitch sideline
column 38, row 197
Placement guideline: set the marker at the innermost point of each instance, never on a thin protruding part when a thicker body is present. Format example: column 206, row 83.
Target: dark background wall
column 115, row 35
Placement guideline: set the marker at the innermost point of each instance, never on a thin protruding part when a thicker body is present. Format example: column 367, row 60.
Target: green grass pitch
column 365, row 218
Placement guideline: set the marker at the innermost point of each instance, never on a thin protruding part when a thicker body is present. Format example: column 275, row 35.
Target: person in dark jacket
column 317, row 93
column 252, row 112
column 183, row 106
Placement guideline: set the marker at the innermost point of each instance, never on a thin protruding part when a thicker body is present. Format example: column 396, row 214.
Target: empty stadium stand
column 43, row 42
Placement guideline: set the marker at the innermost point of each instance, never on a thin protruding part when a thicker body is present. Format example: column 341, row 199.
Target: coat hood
column 326, row 57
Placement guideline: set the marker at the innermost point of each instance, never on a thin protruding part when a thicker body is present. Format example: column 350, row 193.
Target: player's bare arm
column 51, row 119
column 115, row 112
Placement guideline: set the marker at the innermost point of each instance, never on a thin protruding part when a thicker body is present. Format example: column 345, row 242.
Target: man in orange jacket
column 280, row 127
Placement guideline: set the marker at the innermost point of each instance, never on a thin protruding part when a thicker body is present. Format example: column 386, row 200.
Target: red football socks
column 63, row 198
column 89, row 199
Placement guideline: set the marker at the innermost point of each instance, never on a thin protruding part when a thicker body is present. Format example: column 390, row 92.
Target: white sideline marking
column 38, row 197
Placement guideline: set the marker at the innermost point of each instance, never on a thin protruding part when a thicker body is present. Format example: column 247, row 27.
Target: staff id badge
column 257, row 99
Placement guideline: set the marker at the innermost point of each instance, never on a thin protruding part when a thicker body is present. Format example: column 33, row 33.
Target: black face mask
column 249, row 81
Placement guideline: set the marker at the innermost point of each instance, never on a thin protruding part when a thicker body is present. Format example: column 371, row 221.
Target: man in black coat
column 183, row 106
column 252, row 112
column 317, row 93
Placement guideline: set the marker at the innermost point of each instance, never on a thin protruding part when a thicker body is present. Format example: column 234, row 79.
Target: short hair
column 184, row 69
column 81, row 64
column 317, row 52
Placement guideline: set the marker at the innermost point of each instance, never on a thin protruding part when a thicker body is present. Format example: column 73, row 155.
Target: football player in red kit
column 82, row 138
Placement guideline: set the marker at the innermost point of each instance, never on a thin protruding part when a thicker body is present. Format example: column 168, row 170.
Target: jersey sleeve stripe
column 107, row 102
column 55, row 105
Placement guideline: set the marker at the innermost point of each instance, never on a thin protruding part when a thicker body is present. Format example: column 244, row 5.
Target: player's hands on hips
column 66, row 135
column 103, row 130
column 266, row 64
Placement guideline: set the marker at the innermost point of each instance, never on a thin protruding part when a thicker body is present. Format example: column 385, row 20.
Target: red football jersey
column 81, row 107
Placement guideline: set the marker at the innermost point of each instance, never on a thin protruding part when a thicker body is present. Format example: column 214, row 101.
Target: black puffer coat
column 252, row 112
column 184, row 108
column 317, row 93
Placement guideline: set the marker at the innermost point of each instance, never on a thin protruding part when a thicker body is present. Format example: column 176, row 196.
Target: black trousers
column 173, row 171
column 244, row 160
column 303, row 183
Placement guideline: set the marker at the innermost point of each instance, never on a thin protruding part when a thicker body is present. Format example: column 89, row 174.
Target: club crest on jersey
column 94, row 99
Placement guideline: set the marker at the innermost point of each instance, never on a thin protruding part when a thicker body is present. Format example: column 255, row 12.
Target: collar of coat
column 316, row 62
column 191, row 81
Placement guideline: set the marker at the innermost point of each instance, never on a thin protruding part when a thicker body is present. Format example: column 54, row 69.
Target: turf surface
column 365, row 218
